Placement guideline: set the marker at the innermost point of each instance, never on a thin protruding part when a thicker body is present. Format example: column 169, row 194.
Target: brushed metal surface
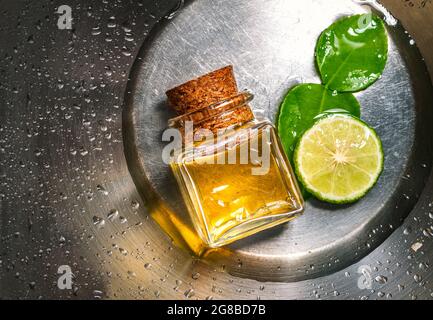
column 68, row 198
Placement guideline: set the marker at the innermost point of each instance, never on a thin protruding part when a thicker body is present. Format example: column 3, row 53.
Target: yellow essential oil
column 228, row 202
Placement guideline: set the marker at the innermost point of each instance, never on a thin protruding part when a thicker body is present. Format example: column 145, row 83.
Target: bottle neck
column 231, row 112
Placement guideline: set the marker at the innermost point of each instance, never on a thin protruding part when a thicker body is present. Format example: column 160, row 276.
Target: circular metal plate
column 271, row 45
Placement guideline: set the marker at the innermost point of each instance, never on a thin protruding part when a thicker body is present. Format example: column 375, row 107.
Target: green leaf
column 352, row 53
column 304, row 104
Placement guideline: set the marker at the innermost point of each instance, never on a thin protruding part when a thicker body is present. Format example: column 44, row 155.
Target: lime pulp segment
column 339, row 159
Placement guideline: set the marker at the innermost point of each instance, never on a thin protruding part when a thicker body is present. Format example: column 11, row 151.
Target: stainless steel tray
column 271, row 44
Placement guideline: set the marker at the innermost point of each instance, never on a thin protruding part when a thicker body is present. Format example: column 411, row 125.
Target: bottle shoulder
column 228, row 138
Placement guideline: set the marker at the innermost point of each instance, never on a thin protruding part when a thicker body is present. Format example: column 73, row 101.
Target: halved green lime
column 339, row 159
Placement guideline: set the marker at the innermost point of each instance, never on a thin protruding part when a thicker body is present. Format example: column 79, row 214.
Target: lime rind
column 331, row 197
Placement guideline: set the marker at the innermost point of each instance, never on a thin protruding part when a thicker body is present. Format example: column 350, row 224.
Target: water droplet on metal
column 381, row 279
column 147, row 266
column 189, row 293
column 98, row 222
column 112, row 215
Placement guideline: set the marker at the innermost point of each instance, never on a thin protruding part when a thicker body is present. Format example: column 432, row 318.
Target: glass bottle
column 232, row 171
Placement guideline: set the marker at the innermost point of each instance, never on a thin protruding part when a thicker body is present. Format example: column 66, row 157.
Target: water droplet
column 96, row 31
column 111, row 22
column 428, row 232
column 423, row 266
column 97, row 294
column 189, row 293
column 126, row 52
column 407, row 231
column 417, row 278
column 98, row 222
column 38, row 152
column 147, row 266
column 102, row 190
column 112, row 215
column 381, row 279
column 135, row 205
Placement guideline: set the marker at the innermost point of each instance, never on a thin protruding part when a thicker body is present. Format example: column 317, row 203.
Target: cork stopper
column 205, row 92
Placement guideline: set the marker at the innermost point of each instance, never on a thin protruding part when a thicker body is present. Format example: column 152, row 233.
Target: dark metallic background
column 67, row 197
